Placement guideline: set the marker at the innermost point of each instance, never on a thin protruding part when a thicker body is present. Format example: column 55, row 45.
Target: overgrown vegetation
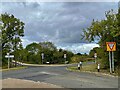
column 80, row 57
column 107, row 30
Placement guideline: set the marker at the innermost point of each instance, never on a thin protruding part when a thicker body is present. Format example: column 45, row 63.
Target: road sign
column 42, row 55
column 65, row 56
column 111, row 46
column 9, row 56
column 95, row 55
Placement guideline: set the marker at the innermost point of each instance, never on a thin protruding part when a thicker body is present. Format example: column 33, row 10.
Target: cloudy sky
column 58, row 22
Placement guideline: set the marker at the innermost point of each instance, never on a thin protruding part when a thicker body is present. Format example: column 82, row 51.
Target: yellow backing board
column 111, row 46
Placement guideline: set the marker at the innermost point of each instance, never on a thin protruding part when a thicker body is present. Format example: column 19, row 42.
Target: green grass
column 84, row 68
column 15, row 68
column 90, row 68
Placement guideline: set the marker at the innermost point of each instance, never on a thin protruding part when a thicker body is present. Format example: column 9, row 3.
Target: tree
column 79, row 54
column 106, row 30
column 48, row 48
column 48, row 45
column 34, row 53
column 51, row 54
column 12, row 29
column 33, row 48
column 58, row 56
column 103, row 28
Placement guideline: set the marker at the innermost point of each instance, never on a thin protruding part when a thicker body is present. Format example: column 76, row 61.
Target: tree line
column 32, row 54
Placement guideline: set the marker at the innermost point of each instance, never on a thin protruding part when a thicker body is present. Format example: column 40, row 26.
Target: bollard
column 98, row 67
column 78, row 66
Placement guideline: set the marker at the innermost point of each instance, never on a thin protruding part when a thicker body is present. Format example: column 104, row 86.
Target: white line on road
column 43, row 72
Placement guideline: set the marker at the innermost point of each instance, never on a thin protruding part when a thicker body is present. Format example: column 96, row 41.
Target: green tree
column 12, row 30
column 107, row 30
column 51, row 54
column 34, row 51
column 23, row 54
column 48, row 48
column 48, row 45
column 58, row 56
column 69, row 56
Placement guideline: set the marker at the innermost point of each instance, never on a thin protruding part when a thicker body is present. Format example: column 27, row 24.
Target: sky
column 59, row 22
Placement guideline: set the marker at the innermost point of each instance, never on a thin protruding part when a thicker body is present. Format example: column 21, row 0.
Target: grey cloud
column 29, row 4
column 57, row 22
column 77, row 47
column 69, row 21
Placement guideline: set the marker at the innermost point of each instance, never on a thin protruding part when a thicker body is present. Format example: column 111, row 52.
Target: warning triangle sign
column 111, row 46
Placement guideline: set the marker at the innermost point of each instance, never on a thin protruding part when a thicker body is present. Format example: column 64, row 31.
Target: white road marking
column 43, row 72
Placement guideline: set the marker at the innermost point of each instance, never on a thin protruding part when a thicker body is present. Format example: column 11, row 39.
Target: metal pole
column 110, row 61
column 42, row 61
column 113, row 61
column 95, row 60
column 42, row 55
column 8, row 62
column 65, row 60
column 95, row 56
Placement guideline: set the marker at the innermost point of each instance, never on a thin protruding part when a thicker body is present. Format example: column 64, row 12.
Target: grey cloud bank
column 60, row 23
column 77, row 47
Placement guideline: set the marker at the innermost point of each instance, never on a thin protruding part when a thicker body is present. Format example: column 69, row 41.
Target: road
column 58, row 75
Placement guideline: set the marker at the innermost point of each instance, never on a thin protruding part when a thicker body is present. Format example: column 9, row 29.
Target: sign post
column 111, row 46
column 112, row 61
column 42, row 55
column 95, row 56
column 9, row 56
column 65, row 56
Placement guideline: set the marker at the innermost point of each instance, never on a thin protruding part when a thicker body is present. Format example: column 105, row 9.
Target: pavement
column 19, row 83
column 59, row 76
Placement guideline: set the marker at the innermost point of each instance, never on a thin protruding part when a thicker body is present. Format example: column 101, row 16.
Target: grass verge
column 92, row 68
column 15, row 68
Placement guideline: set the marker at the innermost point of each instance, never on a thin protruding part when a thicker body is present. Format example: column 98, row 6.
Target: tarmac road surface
column 58, row 75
